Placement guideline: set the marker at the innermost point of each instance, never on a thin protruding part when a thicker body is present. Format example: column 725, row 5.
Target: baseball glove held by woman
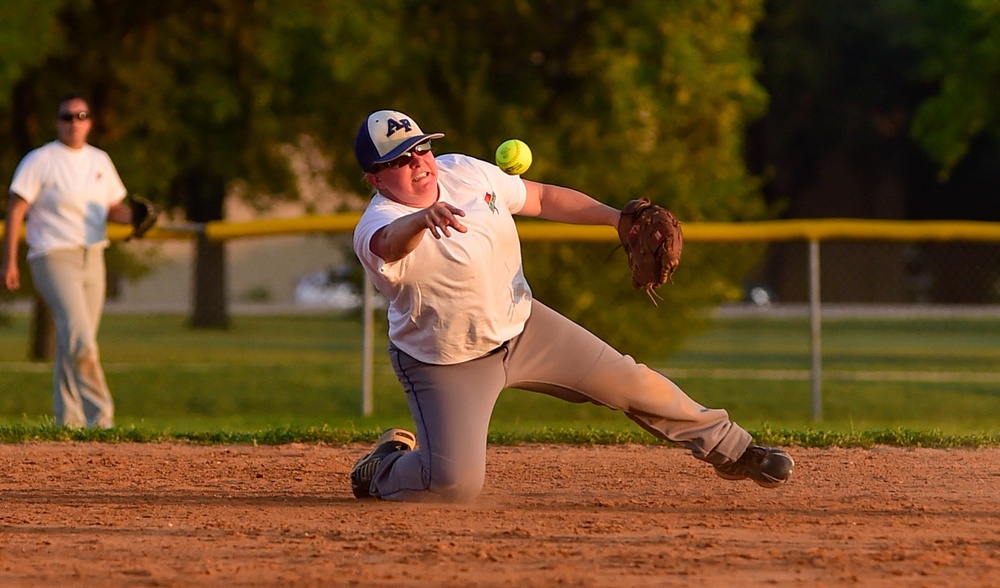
column 144, row 215
column 652, row 238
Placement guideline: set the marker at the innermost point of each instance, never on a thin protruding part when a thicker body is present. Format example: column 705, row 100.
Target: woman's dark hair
column 67, row 98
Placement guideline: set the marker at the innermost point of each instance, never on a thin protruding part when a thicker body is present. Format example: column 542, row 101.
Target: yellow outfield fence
column 537, row 230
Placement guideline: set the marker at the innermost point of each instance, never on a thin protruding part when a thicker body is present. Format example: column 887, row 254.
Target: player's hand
column 440, row 216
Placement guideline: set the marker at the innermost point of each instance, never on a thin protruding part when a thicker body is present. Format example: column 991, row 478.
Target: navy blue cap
column 385, row 135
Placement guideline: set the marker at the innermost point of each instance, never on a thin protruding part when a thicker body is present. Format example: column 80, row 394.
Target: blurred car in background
column 759, row 295
column 336, row 288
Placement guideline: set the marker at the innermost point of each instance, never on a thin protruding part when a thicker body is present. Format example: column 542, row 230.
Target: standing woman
column 65, row 192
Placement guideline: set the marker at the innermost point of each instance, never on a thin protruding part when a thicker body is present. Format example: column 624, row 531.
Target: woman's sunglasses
column 71, row 116
column 403, row 159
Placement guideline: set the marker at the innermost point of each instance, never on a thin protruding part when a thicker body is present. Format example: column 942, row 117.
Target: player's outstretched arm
column 566, row 205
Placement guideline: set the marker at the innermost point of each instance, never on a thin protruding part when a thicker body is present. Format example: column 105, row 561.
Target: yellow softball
column 514, row 157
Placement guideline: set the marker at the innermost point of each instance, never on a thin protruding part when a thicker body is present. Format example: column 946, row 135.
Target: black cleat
column 769, row 467
column 364, row 469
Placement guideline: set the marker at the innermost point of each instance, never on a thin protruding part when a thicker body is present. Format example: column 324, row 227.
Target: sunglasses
column 404, row 159
column 71, row 116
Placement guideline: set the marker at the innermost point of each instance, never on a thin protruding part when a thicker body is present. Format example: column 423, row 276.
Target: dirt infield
column 180, row 515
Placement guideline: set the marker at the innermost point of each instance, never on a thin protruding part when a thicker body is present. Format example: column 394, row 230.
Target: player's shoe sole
column 364, row 469
column 767, row 466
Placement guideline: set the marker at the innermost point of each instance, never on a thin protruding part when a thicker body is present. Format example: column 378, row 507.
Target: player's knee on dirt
column 453, row 484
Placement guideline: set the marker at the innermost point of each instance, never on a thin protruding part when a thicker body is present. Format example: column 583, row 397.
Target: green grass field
column 887, row 379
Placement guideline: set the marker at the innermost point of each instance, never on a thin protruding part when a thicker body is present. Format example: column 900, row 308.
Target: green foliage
column 28, row 34
column 618, row 99
column 180, row 87
column 877, row 110
column 959, row 45
column 840, row 89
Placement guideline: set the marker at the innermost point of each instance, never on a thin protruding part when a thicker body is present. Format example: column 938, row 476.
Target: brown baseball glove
column 144, row 215
column 652, row 238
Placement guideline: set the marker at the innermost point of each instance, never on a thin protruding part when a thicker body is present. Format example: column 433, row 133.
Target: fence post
column 367, row 344
column 814, row 327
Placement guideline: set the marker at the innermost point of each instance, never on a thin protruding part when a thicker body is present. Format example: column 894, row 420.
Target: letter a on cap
column 395, row 125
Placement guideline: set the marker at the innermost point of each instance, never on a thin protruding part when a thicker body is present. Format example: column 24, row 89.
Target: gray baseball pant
column 72, row 283
column 451, row 406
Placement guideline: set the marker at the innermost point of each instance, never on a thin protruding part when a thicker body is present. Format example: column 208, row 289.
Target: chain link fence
column 883, row 273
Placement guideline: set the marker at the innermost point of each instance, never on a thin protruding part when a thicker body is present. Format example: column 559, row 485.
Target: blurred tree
column 620, row 99
column 958, row 125
column 28, row 34
column 959, row 46
column 192, row 98
column 878, row 110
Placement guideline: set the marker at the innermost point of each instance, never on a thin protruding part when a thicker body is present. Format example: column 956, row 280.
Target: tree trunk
column 203, row 195
column 42, row 343
column 210, row 309
column 43, row 333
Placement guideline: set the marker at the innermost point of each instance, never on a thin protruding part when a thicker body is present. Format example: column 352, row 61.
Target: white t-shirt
column 69, row 192
column 456, row 298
